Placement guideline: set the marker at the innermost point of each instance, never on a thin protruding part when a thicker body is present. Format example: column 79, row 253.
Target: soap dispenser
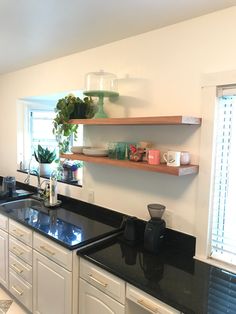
column 53, row 189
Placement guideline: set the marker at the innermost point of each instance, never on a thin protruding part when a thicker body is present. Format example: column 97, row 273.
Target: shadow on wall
column 137, row 89
column 140, row 182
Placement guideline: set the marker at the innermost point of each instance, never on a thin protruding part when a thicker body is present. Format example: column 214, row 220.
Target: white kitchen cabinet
column 99, row 291
column 103, row 293
column 52, row 287
column 92, row 300
column 20, row 263
column 4, row 258
column 21, row 289
column 139, row 302
column 3, row 223
column 103, row 280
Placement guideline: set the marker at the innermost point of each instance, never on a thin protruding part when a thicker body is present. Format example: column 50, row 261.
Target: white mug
column 185, row 158
column 172, row 158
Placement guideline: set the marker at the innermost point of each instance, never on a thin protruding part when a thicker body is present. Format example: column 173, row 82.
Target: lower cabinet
column 4, row 258
column 99, row 291
column 52, row 293
column 92, row 300
column 103, row 293
column 21, row 290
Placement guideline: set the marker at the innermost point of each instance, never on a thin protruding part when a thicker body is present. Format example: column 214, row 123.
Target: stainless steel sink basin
column 20, row 204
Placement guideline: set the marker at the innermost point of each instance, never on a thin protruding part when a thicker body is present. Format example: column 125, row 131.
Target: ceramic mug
column 184, row 158
column 172, row 158
column 153, row 157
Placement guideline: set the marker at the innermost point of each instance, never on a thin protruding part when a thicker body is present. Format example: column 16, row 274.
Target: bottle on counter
column 53, row 189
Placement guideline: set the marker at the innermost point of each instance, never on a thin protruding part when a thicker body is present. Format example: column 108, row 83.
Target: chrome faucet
column 39, row 190
column 27, row 179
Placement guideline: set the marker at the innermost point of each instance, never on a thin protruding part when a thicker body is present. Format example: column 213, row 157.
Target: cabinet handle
column 18, row 233
column 15, row 267
column 44, row 248
column 148, row 306
column 103, row 284
column 17, row 291
column 17, row 251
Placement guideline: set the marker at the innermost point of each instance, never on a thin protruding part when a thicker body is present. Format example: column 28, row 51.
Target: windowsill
column 220, row 264
column 45, row 177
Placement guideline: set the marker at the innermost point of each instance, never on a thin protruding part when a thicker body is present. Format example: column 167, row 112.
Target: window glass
column 223, row 232
column 41, row 124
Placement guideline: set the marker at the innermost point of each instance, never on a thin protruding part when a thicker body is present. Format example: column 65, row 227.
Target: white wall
column 159, row 74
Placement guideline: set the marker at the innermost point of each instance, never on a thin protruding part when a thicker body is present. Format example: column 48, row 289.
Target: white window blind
column 223, row 235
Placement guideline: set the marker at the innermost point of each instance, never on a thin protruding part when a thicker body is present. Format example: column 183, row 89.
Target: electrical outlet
column 91, row 196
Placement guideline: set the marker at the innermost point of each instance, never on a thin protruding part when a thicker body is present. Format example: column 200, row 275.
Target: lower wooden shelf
column 162, row 168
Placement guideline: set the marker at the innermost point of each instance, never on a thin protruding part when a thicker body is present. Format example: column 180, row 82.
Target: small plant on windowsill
column 44, row 157
column 70, row 107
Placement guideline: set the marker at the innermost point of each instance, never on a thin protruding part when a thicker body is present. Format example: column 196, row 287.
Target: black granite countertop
column 73, row 224
column 172, row 276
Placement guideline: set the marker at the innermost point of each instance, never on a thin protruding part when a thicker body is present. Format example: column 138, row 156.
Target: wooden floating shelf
column 160, row 120
column 162, row 168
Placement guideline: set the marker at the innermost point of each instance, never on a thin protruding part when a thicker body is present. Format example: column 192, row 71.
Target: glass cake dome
column 100, row 84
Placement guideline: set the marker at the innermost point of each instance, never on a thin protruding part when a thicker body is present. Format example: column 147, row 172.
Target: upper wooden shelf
column 163, row 168
column 161, row 120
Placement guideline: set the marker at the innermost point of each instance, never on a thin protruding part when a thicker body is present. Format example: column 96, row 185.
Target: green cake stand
column 100, row 94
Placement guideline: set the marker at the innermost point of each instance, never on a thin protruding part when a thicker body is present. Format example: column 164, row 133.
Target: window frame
column 31, row 110
column 24, row 107
column 210, row 84
column 228, row 116
column 27, row 136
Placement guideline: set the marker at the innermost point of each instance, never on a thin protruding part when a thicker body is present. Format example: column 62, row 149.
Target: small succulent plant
column 44, row 155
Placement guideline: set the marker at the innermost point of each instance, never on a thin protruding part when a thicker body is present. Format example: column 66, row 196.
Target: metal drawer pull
column 44, row 248
column 148, row 306
column 103, row 284
column 17, row 251
column 18, row 233
column 17, row 291
column 15, row 267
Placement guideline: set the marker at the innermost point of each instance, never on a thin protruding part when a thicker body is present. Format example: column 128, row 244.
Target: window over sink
column 35, row 124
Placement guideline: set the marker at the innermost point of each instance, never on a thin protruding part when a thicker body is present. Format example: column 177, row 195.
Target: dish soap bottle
column 53, row 189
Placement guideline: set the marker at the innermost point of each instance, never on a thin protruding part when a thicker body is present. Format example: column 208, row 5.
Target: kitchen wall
column 159, row 74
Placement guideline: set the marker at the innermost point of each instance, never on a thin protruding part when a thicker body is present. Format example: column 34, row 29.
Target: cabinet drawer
column 21, row 268
column 53, row 251
column 147, row 302
column 104, row 281
column 3, row 222
column 20, row 232
column 21, row 250
column 21, row 290
column 92, row 300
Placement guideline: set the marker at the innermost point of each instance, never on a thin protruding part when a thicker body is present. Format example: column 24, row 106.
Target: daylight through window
column 223, row 234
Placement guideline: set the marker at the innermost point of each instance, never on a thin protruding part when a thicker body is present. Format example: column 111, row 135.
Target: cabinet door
column 92, row 300
column 4, row 258
column 52, row 293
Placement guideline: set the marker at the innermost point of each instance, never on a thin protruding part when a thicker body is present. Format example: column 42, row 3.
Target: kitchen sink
column 22, row 204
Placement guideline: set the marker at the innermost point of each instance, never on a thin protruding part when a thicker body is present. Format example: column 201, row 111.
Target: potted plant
column 44, row 157
column 70, row 107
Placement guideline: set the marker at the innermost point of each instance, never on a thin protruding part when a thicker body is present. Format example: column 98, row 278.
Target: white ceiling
column 34, row 31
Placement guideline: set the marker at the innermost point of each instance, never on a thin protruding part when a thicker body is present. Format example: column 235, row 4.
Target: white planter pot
column 45, row 169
